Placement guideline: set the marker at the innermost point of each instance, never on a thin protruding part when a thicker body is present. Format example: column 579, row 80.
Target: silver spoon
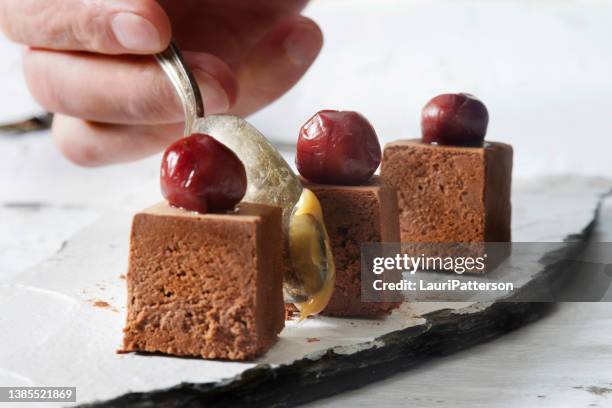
column 310, row 272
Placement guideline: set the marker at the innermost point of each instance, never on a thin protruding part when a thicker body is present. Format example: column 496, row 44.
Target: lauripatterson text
column 449, row 285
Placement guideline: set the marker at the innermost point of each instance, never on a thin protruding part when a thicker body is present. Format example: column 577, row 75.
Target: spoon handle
column 310, row 271
column 185, row 85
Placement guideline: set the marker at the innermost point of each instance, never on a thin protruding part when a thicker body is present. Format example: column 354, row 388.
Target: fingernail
column 303, row 44
column 135, row 33
column 214, row 95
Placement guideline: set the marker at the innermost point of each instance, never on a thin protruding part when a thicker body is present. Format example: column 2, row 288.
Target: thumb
column 276, row 63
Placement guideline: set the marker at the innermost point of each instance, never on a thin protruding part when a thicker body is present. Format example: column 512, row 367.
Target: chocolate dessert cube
column 450, row 194
column 355, row 215
column 207, row 285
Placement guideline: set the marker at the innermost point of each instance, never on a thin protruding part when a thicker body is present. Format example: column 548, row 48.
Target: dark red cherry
column 200, row 174
column 337, row 148
column 455, row 119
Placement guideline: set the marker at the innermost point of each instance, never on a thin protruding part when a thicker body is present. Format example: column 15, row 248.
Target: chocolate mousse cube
column 355, row 215
column 206, row 285
column 449, row 194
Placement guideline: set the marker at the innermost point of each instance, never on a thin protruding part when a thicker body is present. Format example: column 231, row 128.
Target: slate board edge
column 343, row 368
column 34, row 124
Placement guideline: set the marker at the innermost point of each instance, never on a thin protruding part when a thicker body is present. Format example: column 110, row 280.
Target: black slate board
column 344, row 368
column 42, row 122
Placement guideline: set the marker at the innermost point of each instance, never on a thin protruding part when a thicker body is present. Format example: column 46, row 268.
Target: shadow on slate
column 344, row 368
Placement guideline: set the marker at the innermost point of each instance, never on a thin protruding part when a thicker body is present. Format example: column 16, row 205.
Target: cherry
column 337, row 147
column 200, row 174
column 455, row 119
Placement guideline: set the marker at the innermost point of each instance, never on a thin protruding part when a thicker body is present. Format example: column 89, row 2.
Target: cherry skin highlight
column 337, row 147
column 198, row 173
column 455, row 120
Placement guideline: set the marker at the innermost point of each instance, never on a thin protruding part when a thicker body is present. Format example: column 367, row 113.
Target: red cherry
column 200, row 174
column 337, row 148
column 455, row 119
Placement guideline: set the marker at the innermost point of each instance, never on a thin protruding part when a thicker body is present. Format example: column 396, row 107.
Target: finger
column 277, row 62
column 108, row 27
column 92, row 144
column 123, row 90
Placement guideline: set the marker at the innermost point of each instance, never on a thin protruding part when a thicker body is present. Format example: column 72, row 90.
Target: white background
column 543, row 68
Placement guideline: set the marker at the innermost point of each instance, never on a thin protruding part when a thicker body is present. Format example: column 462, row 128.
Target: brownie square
column 207, row 285
column 355, row 215
column 450, row 194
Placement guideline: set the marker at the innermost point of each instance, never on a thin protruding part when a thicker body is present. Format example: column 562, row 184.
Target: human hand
column 89, row 61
